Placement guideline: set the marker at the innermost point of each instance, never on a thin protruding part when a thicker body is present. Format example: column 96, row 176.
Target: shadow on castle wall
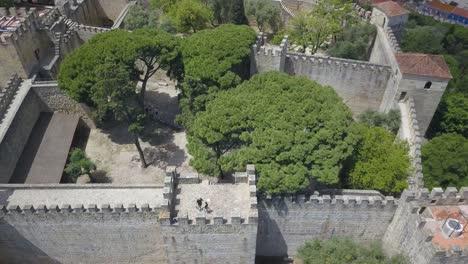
column 270, row 240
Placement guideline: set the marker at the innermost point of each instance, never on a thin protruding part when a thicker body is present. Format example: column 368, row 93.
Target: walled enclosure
column 360, row 84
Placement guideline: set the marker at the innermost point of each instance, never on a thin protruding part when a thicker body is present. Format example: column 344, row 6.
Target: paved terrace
column 72, row 194
column 226, row 199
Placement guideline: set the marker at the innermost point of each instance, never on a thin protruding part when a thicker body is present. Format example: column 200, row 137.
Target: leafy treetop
column 444, row 161
column 291, row 128
column 344, row 251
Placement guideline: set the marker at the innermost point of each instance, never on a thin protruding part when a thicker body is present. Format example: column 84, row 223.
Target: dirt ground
column 115, row 155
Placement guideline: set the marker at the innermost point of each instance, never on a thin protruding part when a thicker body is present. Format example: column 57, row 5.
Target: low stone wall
column 285, row 223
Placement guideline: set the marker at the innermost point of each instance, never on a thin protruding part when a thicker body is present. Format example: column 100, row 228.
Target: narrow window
column 36, row 54
column 402, row 96
column 428, row 85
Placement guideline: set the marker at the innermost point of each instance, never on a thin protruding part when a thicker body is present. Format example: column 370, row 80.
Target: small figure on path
column 199, row 203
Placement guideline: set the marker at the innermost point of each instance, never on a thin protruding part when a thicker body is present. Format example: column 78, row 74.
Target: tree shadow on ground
column 100, row 176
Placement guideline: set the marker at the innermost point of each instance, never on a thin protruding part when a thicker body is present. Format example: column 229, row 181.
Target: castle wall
column 361, row 85
column 88, row 12
column 425, row 100
column 407, row 233
column 210, row 241
column 112, row 8
column 285, row 224
column 72, row 235
column 11, row 63
column 28, row 107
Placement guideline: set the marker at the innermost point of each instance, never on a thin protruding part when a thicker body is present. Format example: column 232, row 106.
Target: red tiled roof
column 391, row 8
column 423, row 64
column 460, row 11
column 441, row 6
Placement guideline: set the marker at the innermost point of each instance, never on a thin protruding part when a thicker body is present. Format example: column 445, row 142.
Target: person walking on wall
column 199, row 203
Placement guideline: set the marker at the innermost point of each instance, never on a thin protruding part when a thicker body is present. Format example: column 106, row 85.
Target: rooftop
column 436, row 216
column 461, row 12
column 441, row 6
column 423, row 64
column 391, row 8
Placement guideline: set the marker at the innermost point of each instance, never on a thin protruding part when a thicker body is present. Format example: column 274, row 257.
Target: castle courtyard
column 115, row 155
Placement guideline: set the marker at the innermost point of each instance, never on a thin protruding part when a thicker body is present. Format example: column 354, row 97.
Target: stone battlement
column 312, row 201
column 392, row 39
column 77, row 208
column 415, row 142
column 451, row 196
column 313, row 59
column 96, row 30
column 8, row 93
column 270, row 50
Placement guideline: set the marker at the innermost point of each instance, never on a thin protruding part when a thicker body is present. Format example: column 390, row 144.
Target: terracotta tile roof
column 423, row 64
column 391, row 8
column 461, row 12
column 441, row 6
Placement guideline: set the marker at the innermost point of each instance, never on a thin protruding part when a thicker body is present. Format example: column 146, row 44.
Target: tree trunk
column 140, row 151
column 143, row 86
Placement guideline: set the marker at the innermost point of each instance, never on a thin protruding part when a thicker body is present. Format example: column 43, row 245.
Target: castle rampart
column 360, row 84
column 285, row 223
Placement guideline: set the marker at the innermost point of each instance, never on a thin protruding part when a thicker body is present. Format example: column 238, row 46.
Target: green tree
column 379, row 162
column 77, row 73
column 390, row 121
column 311, row 31
column 137, row 17
column 425, row 39
column 114, row 93
column 156, row 50
column 7, row 3
column 214, row 60
column 164, row 5
column 227, row 11
column 266, row 13
column 291, row 128
column 190, row 15
column 78, row 164
column 455, row 114
column 354, row 42
column 344, row 251
column 444, row 161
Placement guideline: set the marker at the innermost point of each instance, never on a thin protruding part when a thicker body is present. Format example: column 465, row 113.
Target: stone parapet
column 76, row 208
column 321, row 201
column 355, row 64
column 188, row 178
column 392, row 39
column 8, row 93
column 422, row 197
column 415, row 141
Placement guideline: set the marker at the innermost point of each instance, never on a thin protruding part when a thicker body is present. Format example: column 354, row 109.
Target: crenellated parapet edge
column 437, row 197
column 415, row 144
column 338, row 62
column 392, row 39
column 262, row 49
column 454, row 251
column 322, row 201
column 8, row 93
column 168, row 190
column 363, row 14
column 30, row 22
column 75, row 209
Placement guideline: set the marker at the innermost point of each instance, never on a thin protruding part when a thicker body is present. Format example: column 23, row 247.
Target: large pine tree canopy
column 291, row 128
